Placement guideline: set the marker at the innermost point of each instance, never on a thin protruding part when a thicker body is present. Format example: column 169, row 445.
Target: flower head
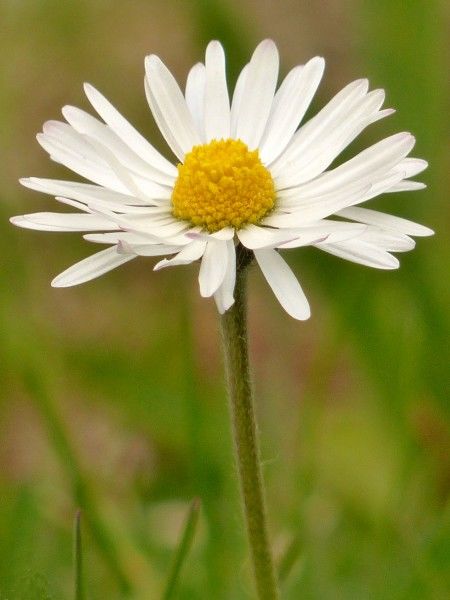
column 247, row 174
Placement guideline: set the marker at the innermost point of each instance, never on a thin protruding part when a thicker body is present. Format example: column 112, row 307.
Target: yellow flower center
column 222, row 184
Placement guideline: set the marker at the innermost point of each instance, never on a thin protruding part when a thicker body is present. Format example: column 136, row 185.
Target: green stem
column 235, row 346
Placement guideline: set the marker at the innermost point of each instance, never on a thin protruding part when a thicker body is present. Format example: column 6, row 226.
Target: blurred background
column 112, row 395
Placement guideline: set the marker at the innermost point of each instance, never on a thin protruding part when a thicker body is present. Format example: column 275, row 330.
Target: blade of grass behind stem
column 289, row 559
column 183, row 548
column 78, row 558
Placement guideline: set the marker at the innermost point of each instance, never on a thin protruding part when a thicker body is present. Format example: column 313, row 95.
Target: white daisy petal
column 127, row 132
column 79, row 158
column 174, row 118
column 141, row 188
column 363, row 168
column 91, row 267
column 308, row 210
column 114, row 237
column 258, row 94
column 362, row 252
column 392, row 242
column 224, row 296
column 407, row 186
column 237, row 99
column 193, row 251
column 284, row 284
column 85, row 192
column 86, row 124
column 330, row 117
column 412, row 166
column 373, row 217
column 252, row 236
column 195, row 96
column 289, row 106
column 315, row 158
column 217, row 103
column 329, row 231
column 49, row 221
column 213, row 267
column 125, row 247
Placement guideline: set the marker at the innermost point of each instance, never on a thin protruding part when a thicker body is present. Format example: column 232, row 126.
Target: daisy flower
column 247, row 176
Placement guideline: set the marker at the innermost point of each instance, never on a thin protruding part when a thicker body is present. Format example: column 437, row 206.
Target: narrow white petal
column 77, row 155
column 85, row 192
column 91, row 267
column 159, row 227
column 49, row 221
column 362, row 253
column 115, row 237
column 365, row 167
column 258, row 94
column 388, row 240
column 125, row 247
column 307, row 210
column 127, row 132
column 333, row 114
column 412, row 166
column 224, row 296
column 191, row 252
column 174, row 118
column 217, row 103
column 164, row 128
column 227, row 233
column 373, row 217
column 213, row 267
column 284, row 284
column 141, row 188
column 195, row 96
column 253, row 236
column 86, row 124
column 329, row 231
column 289, row 106
column 237, row 99
column 407, row 186
column 316, row 157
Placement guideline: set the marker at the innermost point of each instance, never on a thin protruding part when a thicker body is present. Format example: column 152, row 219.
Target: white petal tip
column 214, row 44
column 304, row 316
column 59, row 282
column 319, row 61
column 424, row 231
column 16, row 221
column 160, row 265
column 267, row 43
column 152, row 62
column 68, row 110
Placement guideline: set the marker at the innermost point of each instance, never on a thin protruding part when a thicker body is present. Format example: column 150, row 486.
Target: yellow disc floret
column 222, row 184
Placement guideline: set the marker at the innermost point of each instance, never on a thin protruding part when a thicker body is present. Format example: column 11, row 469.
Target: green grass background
column 112, row 395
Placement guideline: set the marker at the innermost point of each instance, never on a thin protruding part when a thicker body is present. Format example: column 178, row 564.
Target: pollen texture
column 222, row 184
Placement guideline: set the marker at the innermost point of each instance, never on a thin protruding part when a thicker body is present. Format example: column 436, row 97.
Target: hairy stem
column 235, row 346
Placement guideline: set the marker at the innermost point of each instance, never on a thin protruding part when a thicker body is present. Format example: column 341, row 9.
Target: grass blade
column 184, row 546
column 78, row 559
column 289, row 559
